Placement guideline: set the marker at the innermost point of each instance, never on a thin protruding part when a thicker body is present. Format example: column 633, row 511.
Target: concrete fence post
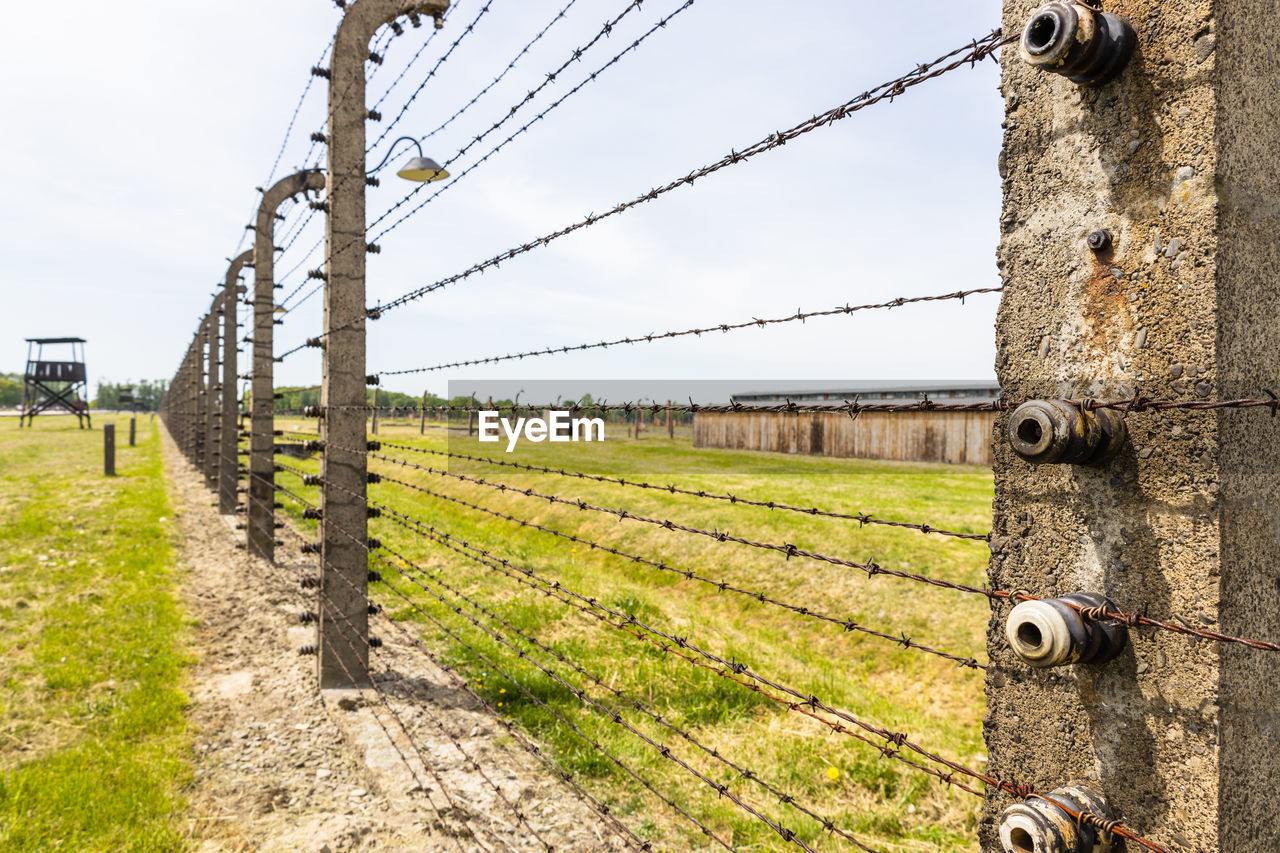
column 229, row 463
column 1171, row 168
column 213, row 382
column 133, row 431
column 262, row 493
column 344, row 659
column 203, row 406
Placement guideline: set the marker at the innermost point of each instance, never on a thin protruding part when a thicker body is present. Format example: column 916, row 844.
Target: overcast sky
column 137, row 132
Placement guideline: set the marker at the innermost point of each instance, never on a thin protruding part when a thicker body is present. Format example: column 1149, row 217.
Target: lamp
column 421, row 168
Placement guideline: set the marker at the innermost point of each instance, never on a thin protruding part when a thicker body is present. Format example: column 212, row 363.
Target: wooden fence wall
column 955, row 437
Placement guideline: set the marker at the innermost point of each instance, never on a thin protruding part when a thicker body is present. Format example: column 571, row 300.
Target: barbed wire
column 971, row 54
column 574, row 56
column 511, row 65
column 453, row 7
column 533, row 697
column 870, row 568
column 861, row 517
column 614, row 716
column 432, row 73
column 754, row 322
column 847, row 625
column 513, row 136
column 852, row 407
column 751, row 776
column 786, row 548
column 809, row 704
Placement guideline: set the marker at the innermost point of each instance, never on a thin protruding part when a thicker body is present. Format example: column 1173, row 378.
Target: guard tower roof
column 56, row 341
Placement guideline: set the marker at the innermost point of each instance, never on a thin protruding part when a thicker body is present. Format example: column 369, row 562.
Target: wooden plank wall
column 955, row 437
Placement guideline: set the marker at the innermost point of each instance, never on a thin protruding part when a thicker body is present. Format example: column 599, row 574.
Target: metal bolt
column 1100, row 240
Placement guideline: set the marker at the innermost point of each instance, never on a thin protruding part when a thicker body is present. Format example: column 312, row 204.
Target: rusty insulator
column 373, row 512
column 308, row 650
column 1087, row 46
column 313, row 412
column 306, row 617
column 310, row 548
column 373, row 544
column 374, row 576
column 1043, row 431
column 1040, row 825
column 1052, row 632
column 311, row 513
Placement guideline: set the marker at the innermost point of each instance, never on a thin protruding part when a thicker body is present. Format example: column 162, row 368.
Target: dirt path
column 278, row 767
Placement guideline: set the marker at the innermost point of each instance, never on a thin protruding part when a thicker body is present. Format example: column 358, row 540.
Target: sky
column 139, row 130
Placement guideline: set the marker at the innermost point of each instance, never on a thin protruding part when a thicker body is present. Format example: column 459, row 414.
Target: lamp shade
column 423, row 170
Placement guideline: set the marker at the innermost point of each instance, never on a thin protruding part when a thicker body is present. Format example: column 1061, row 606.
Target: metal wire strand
column 861, row 517
column 430, row 74
column 848, row 625
column 894, row 742
column 719, row 327
column 970, row 54
column 573, row 727
column 749, row 775
column 511, row 65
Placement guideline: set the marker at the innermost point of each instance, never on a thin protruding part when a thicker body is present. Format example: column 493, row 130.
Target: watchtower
column 55, row 384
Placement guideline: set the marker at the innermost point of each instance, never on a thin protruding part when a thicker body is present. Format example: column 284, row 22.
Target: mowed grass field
column 883, row 803
column 92, row 736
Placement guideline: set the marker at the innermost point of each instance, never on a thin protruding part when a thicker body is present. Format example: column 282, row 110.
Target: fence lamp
column 421, row 168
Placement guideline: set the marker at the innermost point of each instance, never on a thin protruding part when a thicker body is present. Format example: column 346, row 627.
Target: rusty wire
column 573, row 57
column 754, row 322
column 614, row 716
column 847, row 625
column 572, row 726
column 785, row 548
column 853, row 407
column 751, row 776
column 809, row 705
column 512, row 64
column 413, row 60
column 861, row 517
column 1177, row 624
column 519, row 736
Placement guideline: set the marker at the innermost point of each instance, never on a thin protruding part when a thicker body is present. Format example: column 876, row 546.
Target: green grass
column 886, row 804
column 92, row 736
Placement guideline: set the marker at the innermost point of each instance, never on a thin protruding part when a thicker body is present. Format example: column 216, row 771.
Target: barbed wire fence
column 443, row 586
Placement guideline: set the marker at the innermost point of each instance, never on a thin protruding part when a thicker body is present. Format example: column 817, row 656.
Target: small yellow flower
column 833, row 773
column 499, row 704
column 502, row 690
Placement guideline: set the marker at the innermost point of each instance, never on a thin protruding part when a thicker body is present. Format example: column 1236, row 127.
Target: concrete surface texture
column 1178, row 160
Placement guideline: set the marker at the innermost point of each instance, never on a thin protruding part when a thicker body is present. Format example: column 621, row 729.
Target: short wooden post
column 671, row 427
column 133, row 431
column 109, row 449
